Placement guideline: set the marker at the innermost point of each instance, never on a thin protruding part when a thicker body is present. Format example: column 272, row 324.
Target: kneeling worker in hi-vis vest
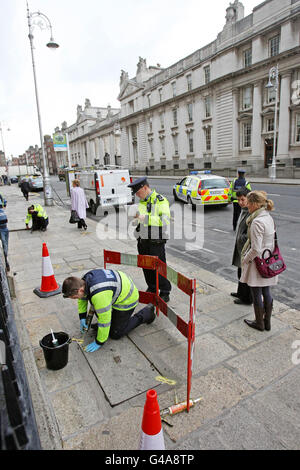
column 114, row 297
column 39, row 218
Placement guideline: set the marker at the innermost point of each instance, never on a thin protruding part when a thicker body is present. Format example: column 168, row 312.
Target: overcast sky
column 97, row 39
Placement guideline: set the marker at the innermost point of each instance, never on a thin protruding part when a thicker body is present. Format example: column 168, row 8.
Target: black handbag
column 74, row 219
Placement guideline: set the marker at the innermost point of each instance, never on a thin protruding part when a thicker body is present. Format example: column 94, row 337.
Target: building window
column 247, row 128
column 149, row 100
column 271, row 95
column 248, row 58
column 131, row 106
column 175, row 117
column 298, row 128
column 162, row 120
column 270, row 125
column 163, row 147
column 150, row 125
column 189, row 82
column 191, row 142
column 274, row 44
column 151, row 147
column 160, row 92
column 173, row 88
column 208, row 138
column 175, row 142
column 207, row 74
column 190, row 111
column 247, row 97
column 207, row 102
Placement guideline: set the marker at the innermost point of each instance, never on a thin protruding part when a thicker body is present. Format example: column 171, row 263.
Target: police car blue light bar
column 204, row 172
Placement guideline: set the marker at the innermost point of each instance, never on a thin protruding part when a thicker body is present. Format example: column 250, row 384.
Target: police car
column 202, row 188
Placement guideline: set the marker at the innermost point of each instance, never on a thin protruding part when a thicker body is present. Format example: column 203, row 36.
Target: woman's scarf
column 249, row 222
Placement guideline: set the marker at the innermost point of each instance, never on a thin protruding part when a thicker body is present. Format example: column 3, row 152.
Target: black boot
column 258, row 324
column 147, row 314
column 268, row 314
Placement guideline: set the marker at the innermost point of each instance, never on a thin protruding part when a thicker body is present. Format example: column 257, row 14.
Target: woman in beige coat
column 261, row 230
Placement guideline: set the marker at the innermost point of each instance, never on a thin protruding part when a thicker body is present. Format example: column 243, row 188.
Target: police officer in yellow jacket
column 114, row 297
column 236, row 185
column 39, row 218
column 152, row 231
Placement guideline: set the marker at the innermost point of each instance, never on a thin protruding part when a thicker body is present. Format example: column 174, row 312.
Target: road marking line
column 217, row 230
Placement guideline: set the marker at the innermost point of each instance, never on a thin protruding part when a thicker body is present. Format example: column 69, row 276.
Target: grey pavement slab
column 123, row 371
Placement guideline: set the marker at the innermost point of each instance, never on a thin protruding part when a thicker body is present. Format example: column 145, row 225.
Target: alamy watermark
column 296, row 354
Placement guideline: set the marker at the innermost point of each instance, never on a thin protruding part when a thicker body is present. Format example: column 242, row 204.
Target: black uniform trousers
column 154, row 248
column 244, row 291
column 236, row 213
column 39, row 223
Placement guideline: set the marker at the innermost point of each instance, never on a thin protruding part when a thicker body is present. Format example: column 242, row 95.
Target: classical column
column 284, row 116
column 256, row 121
column 235, row 124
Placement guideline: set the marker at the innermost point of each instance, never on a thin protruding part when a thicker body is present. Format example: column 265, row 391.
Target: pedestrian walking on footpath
column 243, row 294
column 39, row 218
column 113, row 297
column 25, row 189
column 238, row 183
column 261, row 231
column 79, row 203
column 153, row 220
column 4, row 234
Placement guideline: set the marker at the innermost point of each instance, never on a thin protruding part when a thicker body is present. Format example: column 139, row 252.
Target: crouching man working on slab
column 114, row 297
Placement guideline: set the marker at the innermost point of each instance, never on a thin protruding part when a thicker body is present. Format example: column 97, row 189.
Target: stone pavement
column 247, row 379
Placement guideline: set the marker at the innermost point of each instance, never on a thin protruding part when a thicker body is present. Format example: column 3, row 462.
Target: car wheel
column 93, row 207
column 175, row 196
column 190, row 202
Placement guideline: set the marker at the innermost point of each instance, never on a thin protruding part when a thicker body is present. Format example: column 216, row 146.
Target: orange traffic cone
column 152, row 434
column 49, row 285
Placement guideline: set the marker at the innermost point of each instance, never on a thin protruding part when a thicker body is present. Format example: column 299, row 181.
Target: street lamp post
column 274, row 83
column 43, row 20
column 6, row 160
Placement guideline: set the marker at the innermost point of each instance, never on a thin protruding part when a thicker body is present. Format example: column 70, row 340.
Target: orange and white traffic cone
column 152, row 434
column 49, row 285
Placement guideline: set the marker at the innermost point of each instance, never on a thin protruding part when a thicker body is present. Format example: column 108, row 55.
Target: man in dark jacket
column 243, row 294
column 237, row 184
column 25, row 189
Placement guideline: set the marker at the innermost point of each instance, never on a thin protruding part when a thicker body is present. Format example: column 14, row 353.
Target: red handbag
column 273, row 264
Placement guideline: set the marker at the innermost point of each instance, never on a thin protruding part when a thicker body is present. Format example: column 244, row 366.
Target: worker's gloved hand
column 92, row 347
column 83, row 325
column 27, row 228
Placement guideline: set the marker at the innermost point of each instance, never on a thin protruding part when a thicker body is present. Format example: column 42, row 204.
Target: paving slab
column 267, row 361
column 120, row 360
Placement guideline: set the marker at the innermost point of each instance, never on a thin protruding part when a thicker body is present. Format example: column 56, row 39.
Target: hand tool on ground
column 89, row 319
column 174, row 409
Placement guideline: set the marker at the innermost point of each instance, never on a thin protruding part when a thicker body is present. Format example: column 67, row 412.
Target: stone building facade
column 94, row 138
column 212, row 109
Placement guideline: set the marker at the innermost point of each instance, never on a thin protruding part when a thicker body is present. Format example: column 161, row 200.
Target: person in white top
column 79, row 203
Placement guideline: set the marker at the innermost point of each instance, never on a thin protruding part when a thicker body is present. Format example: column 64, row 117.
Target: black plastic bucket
column 56, row 357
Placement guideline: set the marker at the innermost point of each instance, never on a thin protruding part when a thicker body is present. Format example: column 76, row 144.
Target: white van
column 105, row 188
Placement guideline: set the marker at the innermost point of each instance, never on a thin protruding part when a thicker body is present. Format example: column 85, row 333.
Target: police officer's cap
column 138, row 184
column 241, row 170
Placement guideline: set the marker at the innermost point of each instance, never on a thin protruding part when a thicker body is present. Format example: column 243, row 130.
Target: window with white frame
column 131, row 106
column 162, row 120
column 274, row 45
column 247, row 97
column 191, row 141
column 270, row 124
column 246, row 135
column 248, row 57
column 173, row 84
column 174, row 112
column 207, row 74
column 190, row 111
column 207, row 103
column 298, row 128
column 189, row 82
column 175, row 143
column 207, row 132
column 150, row 124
